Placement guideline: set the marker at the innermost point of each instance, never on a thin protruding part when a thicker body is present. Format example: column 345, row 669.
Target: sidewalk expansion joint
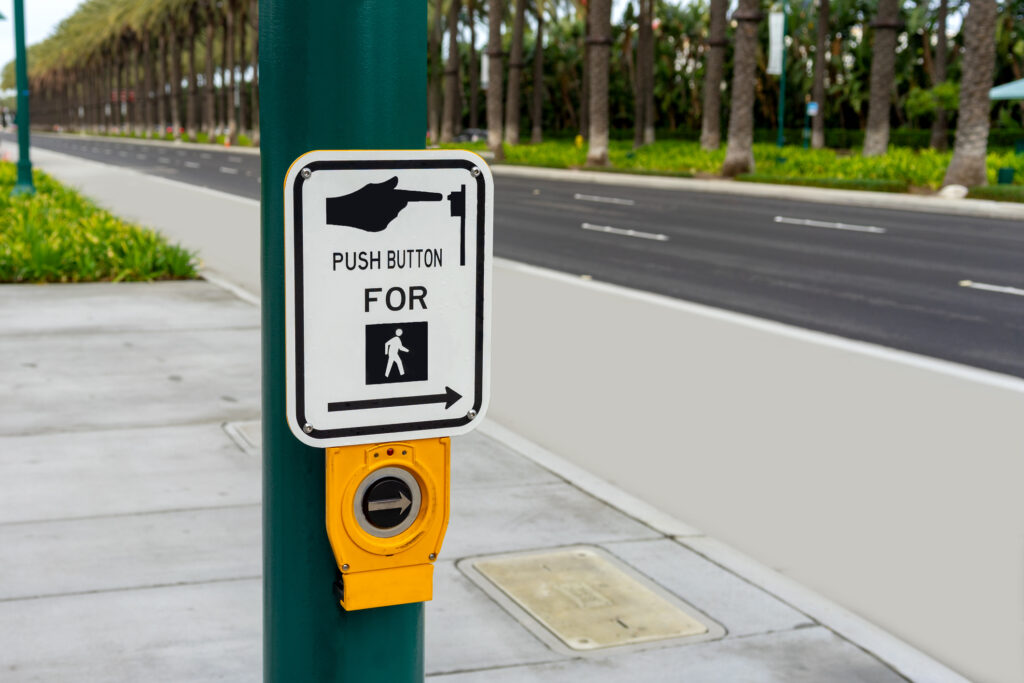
column 118, row 331
column 135, row 513
column 123, row 427
column 123, row 589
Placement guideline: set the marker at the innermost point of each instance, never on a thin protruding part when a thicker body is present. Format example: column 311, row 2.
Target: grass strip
column 999, row 193
column 834, row 183
column 57, row 235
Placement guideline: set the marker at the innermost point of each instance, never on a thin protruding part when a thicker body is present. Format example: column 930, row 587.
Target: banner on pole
column 776, row 40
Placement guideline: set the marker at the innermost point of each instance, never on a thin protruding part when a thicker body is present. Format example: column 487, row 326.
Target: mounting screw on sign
column 387, row 278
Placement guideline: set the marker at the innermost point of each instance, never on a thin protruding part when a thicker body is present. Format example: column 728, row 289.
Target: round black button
column 387, row 502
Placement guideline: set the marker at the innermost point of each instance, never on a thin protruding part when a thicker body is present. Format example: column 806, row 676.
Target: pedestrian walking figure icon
column 392, row 348
column 404, row 347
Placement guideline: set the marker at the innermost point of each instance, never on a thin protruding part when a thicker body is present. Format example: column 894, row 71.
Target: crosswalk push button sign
column 387, row 283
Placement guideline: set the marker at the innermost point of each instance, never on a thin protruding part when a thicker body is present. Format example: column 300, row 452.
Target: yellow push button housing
column 387, row 512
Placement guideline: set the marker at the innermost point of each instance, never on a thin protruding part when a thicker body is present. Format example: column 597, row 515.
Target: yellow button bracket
column 387, row 511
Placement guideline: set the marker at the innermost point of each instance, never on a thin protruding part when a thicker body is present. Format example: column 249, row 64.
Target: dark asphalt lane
column 899, row 286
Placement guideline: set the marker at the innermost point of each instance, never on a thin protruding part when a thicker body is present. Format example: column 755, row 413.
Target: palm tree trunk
column 883, row 63
column 711, row 117
column 162, row 78
column 118, row 87
column 820, row 50
column 452, row 106
column 600, row 39
column 474, row 70
column 243, row 114
column 537, row 111
column 585, row 76
column 175, row 73
column 494, row 81
column 231, row 134
column 515, row 76
column 968, row 164
column 147, row 75
column 192, row 113
column 434, row 76
column 739, row 154
column 254, row 90
column 940, row 125
column 211, row 92
column 643, row 118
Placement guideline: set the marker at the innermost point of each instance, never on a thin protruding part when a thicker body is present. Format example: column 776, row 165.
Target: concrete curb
column 908, row 661
column 976, row 208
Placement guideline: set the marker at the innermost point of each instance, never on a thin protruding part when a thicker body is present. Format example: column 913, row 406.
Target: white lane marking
column 602, row 200
column 163, row 160
column 140, row 156
column 834, row 226
column 192, row 164
column 204, row 155
column 234, row 159
column 624, row 232
column 1002, row 289
column 107, row 151
column 228, row 170
column 122, row 154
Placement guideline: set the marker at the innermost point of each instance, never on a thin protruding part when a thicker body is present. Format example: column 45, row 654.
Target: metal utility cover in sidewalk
column 586, row 598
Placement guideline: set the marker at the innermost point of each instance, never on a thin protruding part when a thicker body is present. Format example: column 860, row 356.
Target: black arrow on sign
column 448, row 398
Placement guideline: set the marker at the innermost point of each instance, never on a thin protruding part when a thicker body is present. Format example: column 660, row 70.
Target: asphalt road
column 895, row 278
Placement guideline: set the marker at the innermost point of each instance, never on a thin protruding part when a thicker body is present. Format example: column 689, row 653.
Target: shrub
column 58, row 236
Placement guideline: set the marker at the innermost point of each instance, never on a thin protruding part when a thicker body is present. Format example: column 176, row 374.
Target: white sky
column 41, row 18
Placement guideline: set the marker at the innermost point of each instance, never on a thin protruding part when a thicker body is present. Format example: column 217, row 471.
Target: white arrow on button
column 400, row 504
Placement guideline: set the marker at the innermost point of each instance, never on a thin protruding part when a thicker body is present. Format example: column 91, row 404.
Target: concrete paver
column 130, row 545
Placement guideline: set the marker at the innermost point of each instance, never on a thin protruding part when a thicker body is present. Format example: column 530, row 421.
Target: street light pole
column 24, row 184
column 333, row 75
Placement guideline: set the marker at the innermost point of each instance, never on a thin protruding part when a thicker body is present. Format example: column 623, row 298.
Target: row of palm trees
column 161, row 67
column 190, row 67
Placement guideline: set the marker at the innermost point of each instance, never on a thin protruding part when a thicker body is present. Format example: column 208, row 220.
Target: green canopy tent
column 1013, row 90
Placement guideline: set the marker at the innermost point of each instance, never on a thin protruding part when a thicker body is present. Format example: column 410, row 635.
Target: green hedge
column 1002, row 193
column 838, row 183
column 57, row 235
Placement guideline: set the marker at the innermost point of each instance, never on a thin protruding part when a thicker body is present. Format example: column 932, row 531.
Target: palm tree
column 537, row 108
column 939, row 123
column 714, row 68
column 883, row 61
column 820, row 50
column 643, row 109
column 494, row 78
column 210, row 95
column 739, row 154
column 434, row 69
column 600, row 40
column 968, row 164
column 515, row 75
column 452, row 83
column 474, row 69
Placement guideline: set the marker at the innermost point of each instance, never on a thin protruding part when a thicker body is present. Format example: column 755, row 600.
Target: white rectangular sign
column 387, row 284
column 776, row 43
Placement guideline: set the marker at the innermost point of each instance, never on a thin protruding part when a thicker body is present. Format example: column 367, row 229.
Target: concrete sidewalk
column 130, row 521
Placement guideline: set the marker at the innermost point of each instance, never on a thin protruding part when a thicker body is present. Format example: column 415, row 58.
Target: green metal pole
column 782, row 80
column 24, row 184
column 334, row 74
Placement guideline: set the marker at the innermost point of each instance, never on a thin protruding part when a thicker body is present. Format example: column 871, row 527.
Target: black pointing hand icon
column 373, row 206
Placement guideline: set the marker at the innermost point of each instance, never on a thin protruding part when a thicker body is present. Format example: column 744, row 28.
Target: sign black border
column 481, row 236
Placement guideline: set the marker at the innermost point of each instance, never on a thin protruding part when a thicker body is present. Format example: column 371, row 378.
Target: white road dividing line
column 122, row 154
column 228, row 170
column 163, row 160
column 603, row 200
column 624, row 232
column 834, row 226
column 234, row 159
column 204, row 155
column 141, row 156
column 191, row 164
column 1002, row 289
